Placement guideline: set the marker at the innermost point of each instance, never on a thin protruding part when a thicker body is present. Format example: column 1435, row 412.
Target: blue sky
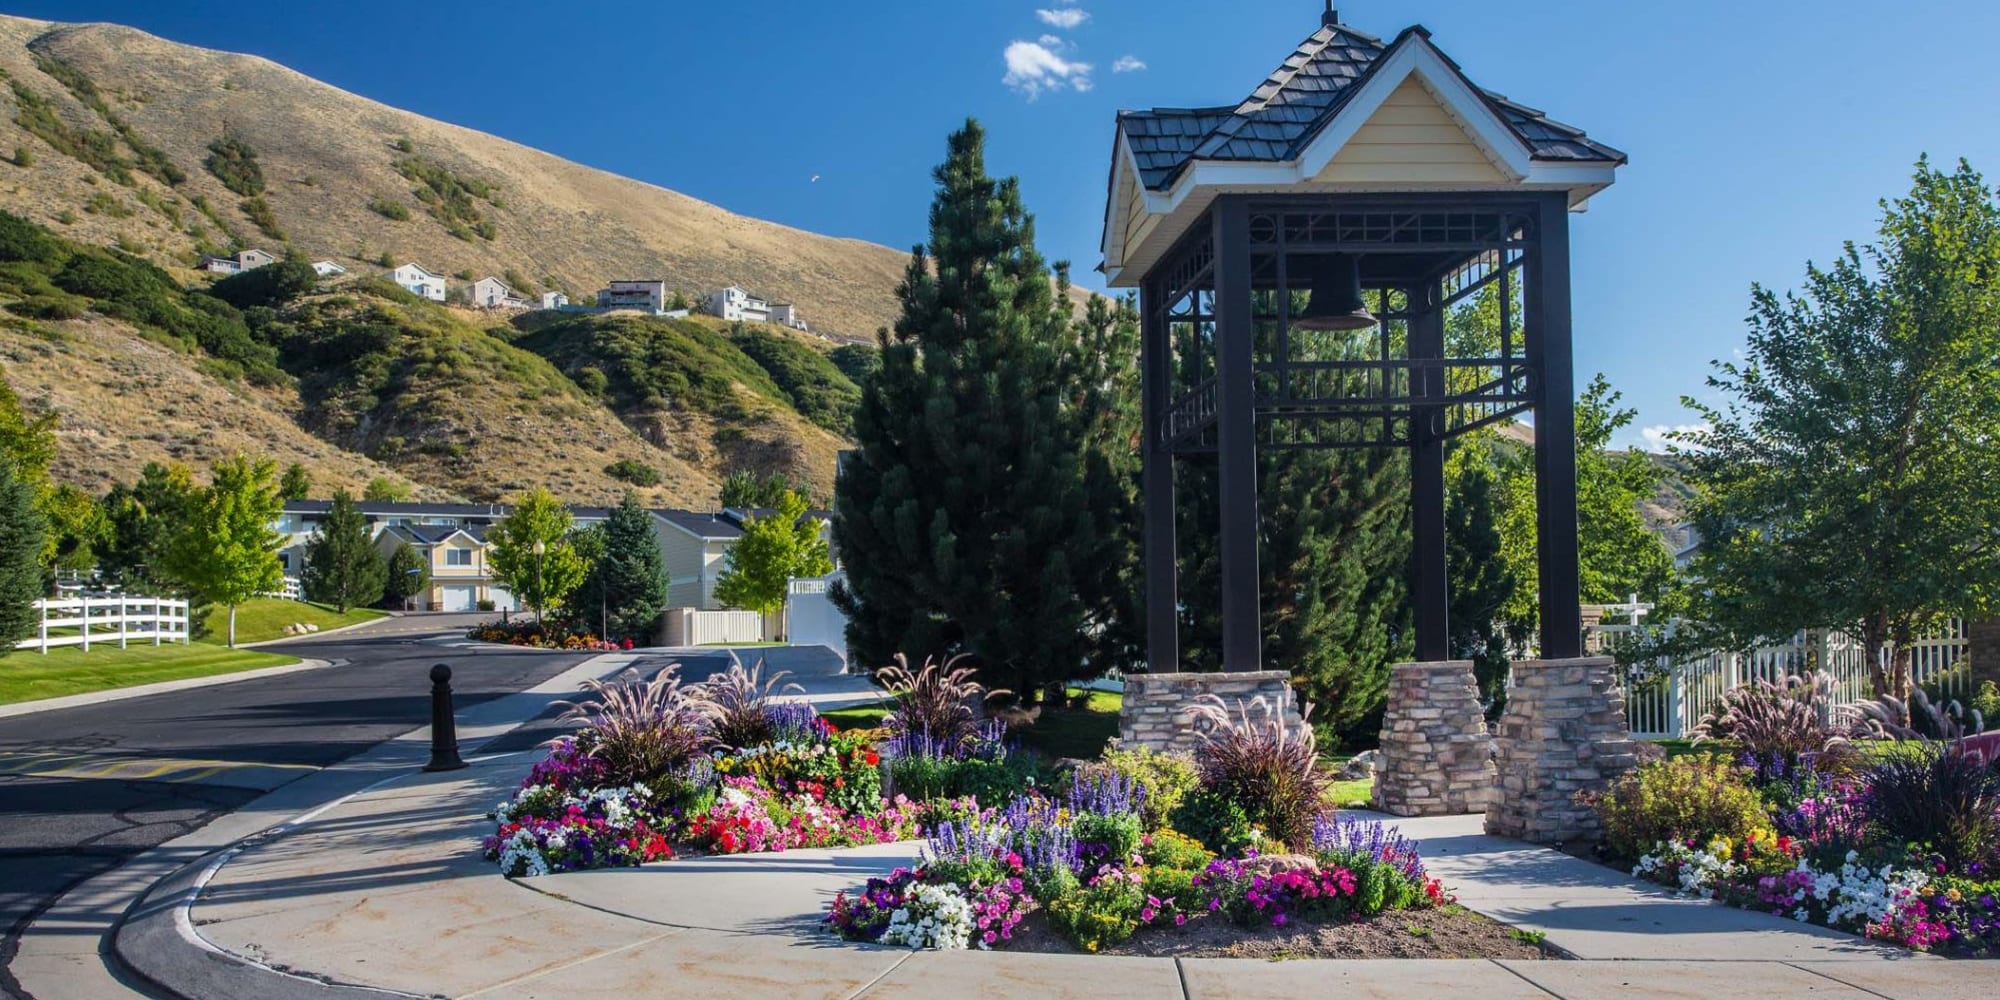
column 1761, row 133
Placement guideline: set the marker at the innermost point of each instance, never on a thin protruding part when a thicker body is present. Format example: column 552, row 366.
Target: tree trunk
column 1903, row 664
column 232, row 626
column 1874, row 637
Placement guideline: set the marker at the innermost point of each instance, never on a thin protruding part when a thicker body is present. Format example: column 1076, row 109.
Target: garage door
column 502, row 598
column 459, row 598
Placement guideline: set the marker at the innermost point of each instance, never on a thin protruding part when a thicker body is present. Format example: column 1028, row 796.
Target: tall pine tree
column 626, row 588
column 969, row 511
column 343, row 566
column 21, row 531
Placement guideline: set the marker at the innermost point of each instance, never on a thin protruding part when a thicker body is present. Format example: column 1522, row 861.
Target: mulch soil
column 1441, row 932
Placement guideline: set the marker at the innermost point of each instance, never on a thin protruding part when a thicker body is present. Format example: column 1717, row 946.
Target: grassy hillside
column 168, row 149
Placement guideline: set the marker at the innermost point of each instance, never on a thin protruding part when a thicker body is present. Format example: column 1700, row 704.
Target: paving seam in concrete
column 1837, row 979
column 565, row 966
column 877, row 981
column 1180, row 971
column 1522, row 976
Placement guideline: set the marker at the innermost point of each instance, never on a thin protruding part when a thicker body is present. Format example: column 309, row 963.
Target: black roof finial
column 1331, row 17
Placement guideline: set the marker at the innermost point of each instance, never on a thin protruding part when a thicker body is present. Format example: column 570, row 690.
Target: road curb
column 162, row 687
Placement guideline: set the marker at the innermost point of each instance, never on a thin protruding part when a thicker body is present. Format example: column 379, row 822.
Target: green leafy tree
column 225, row 550
column 343, row 566
column 969, row 493
column 76, row 528
column 382, row 489
column 626, row 588
column 1847, row 481
column 273, row 285
column 532, row 551
column 1617, row 554
column 21, row 528
column 141, row 521
column 742, row 490
column 758, row 572
column 409, row 574
column 297, row 483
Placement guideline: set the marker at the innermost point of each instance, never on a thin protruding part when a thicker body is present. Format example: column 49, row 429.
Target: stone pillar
column 1156, row 705
column 1564, row 732
column 1436, row 757
column 1983, row 650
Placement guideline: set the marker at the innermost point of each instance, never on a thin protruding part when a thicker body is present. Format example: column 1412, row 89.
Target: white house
column 645, row 296
column 554, row 300
column 736, row 305
column 786, row 314
column 418, row 281
column 244, row 260
column 492, row 293
column 327, row 268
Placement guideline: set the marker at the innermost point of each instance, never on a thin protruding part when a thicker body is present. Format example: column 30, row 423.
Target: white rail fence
column 88, row 621
column 1666, row 699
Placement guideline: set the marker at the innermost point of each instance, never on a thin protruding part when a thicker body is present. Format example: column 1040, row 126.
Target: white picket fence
column 103, row 621
column 690, row 627
column 1666, row 699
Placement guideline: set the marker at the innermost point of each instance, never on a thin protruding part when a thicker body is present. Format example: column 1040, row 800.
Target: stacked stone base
column 1157, row 706
column 1564, row 732
column 1436, row 757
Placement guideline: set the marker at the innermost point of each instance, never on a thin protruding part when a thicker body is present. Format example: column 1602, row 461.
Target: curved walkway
column 382, row 894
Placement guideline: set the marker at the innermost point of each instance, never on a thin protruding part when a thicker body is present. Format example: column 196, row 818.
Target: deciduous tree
column 409, row 574
column 532, row 553
column 1847, row 479
column 774, row 549
column 225, row 550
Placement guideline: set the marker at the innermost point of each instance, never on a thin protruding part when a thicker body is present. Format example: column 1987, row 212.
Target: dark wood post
column 1236, row 438
column 1548, row 334
column 1429, row 586
column 1157, row 482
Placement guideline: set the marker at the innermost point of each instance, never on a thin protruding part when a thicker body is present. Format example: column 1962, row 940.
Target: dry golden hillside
column 326, row 155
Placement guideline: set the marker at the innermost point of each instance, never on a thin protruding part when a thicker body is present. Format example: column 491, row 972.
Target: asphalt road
column 82, row 789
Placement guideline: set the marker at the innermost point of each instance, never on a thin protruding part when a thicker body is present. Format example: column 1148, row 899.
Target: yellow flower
column 1952, row 894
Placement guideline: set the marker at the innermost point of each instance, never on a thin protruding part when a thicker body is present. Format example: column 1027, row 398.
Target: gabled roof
column 1297, row 101
column 703, row 526
column 434, row 534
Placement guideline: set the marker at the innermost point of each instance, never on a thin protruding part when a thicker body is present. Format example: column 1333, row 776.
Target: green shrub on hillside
column 811, row 381
column 856, row 361
column 452, row 199
column 633, row 471
column 103, row 203
column 389, row 209
column 653, row 363
column 234, row 163
column 272, row 285
column 94, row 149
column 259, row 211
column 21, row 240
column 150, row 159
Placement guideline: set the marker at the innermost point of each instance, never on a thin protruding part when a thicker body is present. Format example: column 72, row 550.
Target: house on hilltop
column 492, row 293
column 649, row 296
column 327, row 268
column 244, row 260
column 419, row 282
column 554, row 300
column 739, row 306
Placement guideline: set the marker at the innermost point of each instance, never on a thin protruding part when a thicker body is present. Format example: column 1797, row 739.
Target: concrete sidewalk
column 383, row 894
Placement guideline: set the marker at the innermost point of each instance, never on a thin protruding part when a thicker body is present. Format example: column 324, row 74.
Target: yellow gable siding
column 1138, row 225
column 1410, row 138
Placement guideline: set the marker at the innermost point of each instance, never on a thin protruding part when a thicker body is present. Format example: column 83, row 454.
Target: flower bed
column 551, row 634
column 1897, row 840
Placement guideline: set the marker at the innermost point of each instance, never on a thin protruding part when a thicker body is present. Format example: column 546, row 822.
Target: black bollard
column 444, row 732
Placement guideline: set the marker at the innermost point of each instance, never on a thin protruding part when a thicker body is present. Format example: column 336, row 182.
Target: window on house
column 458, row 557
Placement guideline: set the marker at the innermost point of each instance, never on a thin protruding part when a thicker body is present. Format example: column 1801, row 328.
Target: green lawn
column 26, row 675
column 265, row 618
column 1054, row 734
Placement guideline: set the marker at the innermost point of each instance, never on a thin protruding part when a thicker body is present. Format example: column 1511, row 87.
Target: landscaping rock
column 1275, row 864
column 1436, row 757
column 1360, row 767
column 310, row 627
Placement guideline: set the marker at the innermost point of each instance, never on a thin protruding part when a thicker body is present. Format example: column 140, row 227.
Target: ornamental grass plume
column 736, row 703
column 936, row 702
column 1787, row 720
column 1268, row 768
column 1935, row 796
column 638, row 729
column 1892, row 718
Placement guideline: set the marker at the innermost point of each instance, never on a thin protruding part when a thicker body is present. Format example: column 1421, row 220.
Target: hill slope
column 118, row 125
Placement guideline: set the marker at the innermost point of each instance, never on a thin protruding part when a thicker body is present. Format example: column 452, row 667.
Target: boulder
column 1360, row 767
column 1273, row 864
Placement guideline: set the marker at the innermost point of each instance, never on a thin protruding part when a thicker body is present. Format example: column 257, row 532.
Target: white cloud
column 1657, row 437
column 1034, row 68
column 1053, row 42
column 1064, row 18
column 1128, row 64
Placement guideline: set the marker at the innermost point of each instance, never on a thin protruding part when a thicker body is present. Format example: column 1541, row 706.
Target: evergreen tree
column 968, row 502
column 774, row 549
column 626, row 588
column 141, row 519
column 297, row 483
column 21, row 529
column 533, row 553
column 409, row 574
column 343, row 566
column 225, row 550
column 1482, row 582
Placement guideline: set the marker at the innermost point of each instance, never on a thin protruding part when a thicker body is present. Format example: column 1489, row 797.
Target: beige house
column 461, row 577
column 694, row 548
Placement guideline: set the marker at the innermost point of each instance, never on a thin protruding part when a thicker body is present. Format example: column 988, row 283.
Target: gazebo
column 1297, row 256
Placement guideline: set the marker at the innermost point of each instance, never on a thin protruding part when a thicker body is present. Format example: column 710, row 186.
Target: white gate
column 811, row 618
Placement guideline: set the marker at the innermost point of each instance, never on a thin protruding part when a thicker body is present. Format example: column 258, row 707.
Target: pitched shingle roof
column 1281, row 117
